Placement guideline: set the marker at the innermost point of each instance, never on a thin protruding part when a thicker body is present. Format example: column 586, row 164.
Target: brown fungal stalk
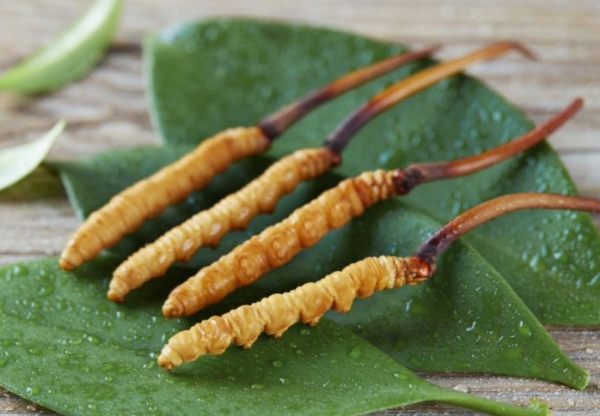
column 127, row 211
column 261, row 195
column 335, row 207
column 273, row 315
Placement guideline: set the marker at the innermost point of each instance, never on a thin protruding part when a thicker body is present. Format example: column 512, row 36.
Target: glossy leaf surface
column 212, row 75
column 69, row 56
column 104, row 361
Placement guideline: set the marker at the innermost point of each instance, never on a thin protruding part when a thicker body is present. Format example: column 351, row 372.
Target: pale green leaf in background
column 18, row 161
column 69, row 56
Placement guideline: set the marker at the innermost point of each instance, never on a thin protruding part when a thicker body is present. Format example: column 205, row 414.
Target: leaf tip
column 61, row 124
column 19, row 161
column 68, row 56
column 540, row 407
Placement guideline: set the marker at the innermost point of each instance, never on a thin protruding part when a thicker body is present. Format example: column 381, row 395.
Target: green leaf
column 18, row 161
column 69, row 56
column 103, row 362
column 478, row 324
column 207, row 76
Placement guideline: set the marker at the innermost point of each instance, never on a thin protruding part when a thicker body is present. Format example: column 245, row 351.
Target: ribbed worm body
column 275, row 314
column 279, row 243
column 127, row 210
column 234, row 212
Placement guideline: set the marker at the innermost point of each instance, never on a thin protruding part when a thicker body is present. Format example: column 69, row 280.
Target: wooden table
column 108, row 109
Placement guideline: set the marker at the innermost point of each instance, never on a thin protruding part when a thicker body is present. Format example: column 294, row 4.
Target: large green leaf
column 478, row 324
column 207, row 76
column 69, row 56
column 66, row 347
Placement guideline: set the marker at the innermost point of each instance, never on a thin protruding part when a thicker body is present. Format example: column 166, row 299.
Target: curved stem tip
column 276, row 123
column 426, row 172
column 390, row 96
column 486, row 211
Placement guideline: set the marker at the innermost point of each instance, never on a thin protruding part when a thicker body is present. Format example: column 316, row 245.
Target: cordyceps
column 332, row 209
column 128, row 210
column 261, row 195
column 273, row 315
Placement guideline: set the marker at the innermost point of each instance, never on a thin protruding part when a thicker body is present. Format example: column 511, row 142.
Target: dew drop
column 462, row 388
column 266, row 92
column 472, row 326
column 418, row 307
column 594, row 280
column 92, row 339
column 257, row 386
column 211, row 34
column 36, row 352
column 19, row 270
column 524, row 329
column 366, row 56
column 356, row 352
column 107, row 368
column 277, row 363
column 220, row 73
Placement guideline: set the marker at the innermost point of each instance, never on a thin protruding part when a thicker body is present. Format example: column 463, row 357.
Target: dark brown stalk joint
column 335, row 156
column 339, row 138
column 270, row 130
column 424, row 269
column 405, row 180
column 427, row 255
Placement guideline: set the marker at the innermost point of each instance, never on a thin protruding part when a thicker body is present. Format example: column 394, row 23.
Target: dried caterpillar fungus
column 332, row 209
column 279, row 243
column 234, row 212
column 147, row 198
column 127, row 210
column 261, row 195
column 304, row 227
column 275, row 314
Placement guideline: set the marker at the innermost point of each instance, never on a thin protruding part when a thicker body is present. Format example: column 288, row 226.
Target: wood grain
column 108, row 109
